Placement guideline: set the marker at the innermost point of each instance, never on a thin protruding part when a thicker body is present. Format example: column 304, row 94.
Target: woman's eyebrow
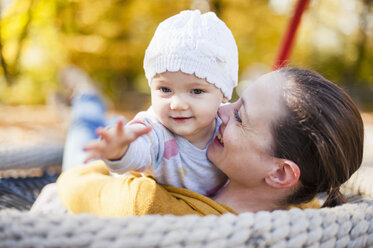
column 244, row 105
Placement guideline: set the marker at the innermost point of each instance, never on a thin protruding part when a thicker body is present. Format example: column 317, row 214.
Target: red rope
column 288, row 40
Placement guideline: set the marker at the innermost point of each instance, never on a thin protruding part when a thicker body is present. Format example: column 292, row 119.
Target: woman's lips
column 219, row 139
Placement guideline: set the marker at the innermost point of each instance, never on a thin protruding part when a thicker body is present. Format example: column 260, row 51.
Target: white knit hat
column 194, row 43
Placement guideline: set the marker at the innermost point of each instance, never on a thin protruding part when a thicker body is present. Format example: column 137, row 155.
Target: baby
column 191, row 65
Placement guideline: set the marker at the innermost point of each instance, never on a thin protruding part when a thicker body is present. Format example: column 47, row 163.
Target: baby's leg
column 88, row 113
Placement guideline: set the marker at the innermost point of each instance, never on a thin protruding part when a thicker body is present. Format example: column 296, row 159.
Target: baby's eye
column 197, row 91
column 237, row 116
column 165, row 89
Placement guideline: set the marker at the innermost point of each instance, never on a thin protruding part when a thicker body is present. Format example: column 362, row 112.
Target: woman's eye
column 197, row 91
column 237, row 116
column 165, row 89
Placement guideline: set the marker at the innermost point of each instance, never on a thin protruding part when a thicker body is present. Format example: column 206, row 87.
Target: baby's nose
column 178, row 103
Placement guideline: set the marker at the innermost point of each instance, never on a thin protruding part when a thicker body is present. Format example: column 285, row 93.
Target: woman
column 298, row 133
column 291, row 135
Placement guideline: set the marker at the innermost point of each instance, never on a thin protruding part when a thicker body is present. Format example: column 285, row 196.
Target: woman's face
column 242, row 149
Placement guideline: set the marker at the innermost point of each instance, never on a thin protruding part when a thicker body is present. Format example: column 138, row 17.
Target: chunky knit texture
column 194, row 43
column 349, row 225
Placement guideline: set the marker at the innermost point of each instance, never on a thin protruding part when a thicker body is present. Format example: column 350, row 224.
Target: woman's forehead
column 267, row 86
column 262, row 99
column 272, row 78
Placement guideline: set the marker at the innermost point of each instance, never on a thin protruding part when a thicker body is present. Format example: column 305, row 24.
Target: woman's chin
column 214, row 150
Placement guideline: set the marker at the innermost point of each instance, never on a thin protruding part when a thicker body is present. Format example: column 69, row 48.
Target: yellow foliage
column 108, row 38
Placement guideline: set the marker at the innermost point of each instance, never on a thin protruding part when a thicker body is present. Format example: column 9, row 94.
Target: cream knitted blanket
column 349, row 225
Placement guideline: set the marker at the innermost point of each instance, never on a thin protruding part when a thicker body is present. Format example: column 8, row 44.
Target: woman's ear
column 285, row 175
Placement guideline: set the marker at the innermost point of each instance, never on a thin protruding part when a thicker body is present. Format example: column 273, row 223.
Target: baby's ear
column 225, row 100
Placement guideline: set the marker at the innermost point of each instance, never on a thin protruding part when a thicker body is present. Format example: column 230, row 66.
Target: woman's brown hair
column 322, row 132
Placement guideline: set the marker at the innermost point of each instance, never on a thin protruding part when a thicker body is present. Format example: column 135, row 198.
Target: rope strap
column 32, row 156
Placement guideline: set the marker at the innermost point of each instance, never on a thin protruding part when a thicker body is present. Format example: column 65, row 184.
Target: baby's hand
column 113, row 142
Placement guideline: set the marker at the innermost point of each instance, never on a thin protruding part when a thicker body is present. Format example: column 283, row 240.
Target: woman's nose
column 178, row 103
column 224, row 112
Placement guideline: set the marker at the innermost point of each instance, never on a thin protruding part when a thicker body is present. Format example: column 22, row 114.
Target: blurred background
column 108, row 38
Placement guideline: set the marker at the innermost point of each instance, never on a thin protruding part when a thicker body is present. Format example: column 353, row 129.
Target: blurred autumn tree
column 336, row 39
column 108, row 39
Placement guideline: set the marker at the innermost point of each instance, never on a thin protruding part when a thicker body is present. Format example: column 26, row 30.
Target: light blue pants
column 88, row 113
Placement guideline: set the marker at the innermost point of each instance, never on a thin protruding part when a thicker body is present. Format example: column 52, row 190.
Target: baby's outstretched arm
column 113, row 142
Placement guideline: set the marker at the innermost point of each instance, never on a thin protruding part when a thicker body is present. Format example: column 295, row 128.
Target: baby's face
column 185, row 104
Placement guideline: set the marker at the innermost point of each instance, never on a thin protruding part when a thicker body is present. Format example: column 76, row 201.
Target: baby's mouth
column 181, row 119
